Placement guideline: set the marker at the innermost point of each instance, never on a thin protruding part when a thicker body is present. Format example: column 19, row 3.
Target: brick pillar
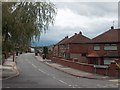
column 112, row 70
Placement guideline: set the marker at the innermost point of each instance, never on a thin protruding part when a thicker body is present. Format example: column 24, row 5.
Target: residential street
column 35, row 74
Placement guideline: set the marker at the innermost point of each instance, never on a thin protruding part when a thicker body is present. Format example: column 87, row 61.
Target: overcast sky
column 91, row 18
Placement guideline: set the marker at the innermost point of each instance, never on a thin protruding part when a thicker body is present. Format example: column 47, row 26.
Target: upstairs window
column 96, row 47
column 110, row 47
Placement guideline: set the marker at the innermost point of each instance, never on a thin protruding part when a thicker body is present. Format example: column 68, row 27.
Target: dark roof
column 78, row 38
column 110, row 36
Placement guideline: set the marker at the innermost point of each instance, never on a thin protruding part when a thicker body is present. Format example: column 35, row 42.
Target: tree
column 22, row 21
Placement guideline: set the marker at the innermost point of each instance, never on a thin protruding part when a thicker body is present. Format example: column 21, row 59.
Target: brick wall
column 87, row 67
column 78, row 48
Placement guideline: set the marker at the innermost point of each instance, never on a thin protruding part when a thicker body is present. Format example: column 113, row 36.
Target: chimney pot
column 80, row 32
column 75, row 33
column 66, row 37
column 112, row 27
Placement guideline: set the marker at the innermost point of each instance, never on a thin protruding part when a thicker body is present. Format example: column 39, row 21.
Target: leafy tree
column 23, row 21
column 45, row 50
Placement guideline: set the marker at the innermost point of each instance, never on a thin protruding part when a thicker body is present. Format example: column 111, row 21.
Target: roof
column 63, row 40
column 93, row 54
column 78, row 38
column 108, row 54
column 110, row 36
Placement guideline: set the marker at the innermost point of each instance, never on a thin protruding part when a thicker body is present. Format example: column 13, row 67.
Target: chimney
column 75, row 33
column 66, row 37
column 80, row 33
column 112, row 27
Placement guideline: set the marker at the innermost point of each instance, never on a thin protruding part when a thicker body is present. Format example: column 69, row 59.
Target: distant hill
column 43, row 43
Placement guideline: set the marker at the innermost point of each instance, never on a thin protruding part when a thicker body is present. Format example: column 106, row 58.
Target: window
column 108, row 60
column 83, row 54
column 110, row 47
column 96, row 47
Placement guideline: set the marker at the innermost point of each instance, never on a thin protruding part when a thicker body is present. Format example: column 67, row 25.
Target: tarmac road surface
column 35, row 74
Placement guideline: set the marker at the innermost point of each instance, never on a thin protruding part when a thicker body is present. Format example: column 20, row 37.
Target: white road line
column 49, row 74
column 34, row 66
column 37, row 68
column 70, row 85
column 54, row 77
column 63, row 82
column 114, row 80
column 41, row 71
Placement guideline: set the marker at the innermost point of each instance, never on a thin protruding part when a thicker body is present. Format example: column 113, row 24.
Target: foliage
column 45, row 50
column 118, row 65
column 23, row 21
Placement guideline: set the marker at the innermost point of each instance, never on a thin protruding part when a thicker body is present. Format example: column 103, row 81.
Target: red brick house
column 75, row 47
column 62, row 47
column 55, row 50
column 105, row 47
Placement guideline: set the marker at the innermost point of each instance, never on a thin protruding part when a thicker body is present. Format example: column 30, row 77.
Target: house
column 55, row 50
column 75, row 47
column 62, row 48
column 105, row 47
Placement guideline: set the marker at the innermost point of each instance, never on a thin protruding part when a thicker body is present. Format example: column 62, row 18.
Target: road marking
column 37, row 68
column 41, row 71
column 115, row 80
column 34, row 66
column 54, row 77
column 63, row 82
column 73, row 86
column 70, row 85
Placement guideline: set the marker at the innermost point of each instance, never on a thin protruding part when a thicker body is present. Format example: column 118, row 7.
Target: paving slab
column 8, row 69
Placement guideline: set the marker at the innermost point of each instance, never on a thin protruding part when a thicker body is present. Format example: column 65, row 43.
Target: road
column 35, row 74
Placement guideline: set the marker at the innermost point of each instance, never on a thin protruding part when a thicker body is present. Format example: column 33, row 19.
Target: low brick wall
column 75, row 65
column 87, row 67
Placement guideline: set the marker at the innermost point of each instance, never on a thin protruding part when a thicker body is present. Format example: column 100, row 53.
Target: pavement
column 75, row 72
column 8, row 69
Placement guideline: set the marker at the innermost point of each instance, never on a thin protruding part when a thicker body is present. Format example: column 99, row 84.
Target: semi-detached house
column 100, row 50
column 105, row 47
column 75, row 47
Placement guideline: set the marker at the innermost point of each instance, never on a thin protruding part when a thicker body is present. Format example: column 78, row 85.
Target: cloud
column 90, row 18
column 90, row 9
column 66, row 18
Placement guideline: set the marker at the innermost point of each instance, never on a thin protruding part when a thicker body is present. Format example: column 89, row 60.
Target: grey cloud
column 91, row 9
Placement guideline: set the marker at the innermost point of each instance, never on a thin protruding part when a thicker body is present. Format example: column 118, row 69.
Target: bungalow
column 105, row 47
